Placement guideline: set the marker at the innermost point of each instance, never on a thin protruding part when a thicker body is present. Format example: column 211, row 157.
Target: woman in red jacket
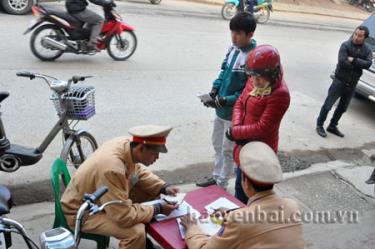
column 258, row 111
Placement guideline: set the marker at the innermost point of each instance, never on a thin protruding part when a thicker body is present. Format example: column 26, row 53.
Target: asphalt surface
column 164, row 31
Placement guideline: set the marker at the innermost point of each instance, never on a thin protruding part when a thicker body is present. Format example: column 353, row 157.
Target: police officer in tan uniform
column 120, row 164
column 268, row 221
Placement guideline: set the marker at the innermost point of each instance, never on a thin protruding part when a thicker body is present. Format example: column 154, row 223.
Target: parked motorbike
column 54, row 238
column 368, row 5
column 57, row 32
column 261, row 9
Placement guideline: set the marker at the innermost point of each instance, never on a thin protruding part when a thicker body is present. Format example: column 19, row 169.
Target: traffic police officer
column 268, row 221
column 120, row 164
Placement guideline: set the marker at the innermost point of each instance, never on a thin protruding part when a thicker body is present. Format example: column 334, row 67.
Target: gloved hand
column 230, row 137
column 213, row 93
column 220, row 101
column 228, row 134
column 241, row 142
column 210, row 103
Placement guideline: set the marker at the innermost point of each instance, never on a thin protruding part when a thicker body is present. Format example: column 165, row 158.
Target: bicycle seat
column 3, row 95
column 61, row 13
column 5, row 200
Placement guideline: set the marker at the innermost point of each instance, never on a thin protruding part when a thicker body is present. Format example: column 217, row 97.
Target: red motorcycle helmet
column 263, row 60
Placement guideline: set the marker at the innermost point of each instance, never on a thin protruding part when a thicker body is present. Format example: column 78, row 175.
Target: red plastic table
column 166, row 233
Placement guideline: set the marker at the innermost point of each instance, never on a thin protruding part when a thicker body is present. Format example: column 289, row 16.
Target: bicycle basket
column 79, row 102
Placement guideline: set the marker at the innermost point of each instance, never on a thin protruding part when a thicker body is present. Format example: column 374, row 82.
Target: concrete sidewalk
column 329, row 9
column 331, row 187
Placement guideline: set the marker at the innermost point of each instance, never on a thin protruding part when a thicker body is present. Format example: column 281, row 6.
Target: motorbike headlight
column 57, row 238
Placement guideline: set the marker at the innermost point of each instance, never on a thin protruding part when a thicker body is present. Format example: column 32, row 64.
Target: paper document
column 206, row 225
column 182, row 210
column 204, row 97
column 222, row 202
column 181, row 228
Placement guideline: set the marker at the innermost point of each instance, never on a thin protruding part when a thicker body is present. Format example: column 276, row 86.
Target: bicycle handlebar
column 26, row 74
column 55, row 84
column 77, row 78
column 96, row 195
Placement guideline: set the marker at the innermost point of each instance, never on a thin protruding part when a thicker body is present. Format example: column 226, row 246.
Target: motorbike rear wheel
column 262, row 15
column 121, row 46
column 228, row 11
column 41, row 50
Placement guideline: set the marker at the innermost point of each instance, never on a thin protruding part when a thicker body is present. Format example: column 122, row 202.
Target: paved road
column 180, row 49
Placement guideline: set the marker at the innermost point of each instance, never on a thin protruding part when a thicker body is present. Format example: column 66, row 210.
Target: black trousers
column 337, row 90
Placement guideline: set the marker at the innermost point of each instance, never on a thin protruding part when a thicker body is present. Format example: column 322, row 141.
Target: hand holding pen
column 167, row 207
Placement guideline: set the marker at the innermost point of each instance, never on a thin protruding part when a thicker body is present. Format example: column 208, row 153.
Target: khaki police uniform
column 268, row 221
column 241, row 231
column 112, row 166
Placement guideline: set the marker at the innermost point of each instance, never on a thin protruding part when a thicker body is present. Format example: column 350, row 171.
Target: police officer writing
column 120, row 164
column 243, row 228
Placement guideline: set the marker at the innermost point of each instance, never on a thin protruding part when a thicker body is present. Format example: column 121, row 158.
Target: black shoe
column 206, row 182
column 321, row 132
column 370, row 181
column 335, row 130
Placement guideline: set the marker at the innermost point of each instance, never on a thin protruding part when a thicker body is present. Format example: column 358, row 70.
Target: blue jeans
column 337, row 90
column 239, row 193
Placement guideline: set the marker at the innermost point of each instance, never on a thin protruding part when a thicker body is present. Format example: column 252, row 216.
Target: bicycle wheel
column 77, row 149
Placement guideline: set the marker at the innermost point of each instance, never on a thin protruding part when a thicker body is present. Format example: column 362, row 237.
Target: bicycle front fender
column 75, row 134
column 73, row 138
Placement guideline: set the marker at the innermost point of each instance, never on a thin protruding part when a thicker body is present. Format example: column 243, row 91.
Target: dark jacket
column 257, row 118
column 232, row 78
column 75, row 6
column 349, row 73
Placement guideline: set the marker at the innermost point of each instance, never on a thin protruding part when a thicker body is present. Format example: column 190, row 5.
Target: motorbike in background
column 261, row 9
column 365, row 4
column 57, row 33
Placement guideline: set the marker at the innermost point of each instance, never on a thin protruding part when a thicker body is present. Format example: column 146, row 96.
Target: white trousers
column 223, row 165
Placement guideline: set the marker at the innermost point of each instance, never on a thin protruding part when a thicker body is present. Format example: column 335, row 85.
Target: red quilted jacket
column 258, row 118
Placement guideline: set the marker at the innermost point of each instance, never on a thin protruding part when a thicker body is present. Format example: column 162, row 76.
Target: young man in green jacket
column 225, row 91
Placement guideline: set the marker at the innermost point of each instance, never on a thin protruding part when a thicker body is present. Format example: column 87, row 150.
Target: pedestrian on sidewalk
column 259, row 110
column 120, row 164
column 354, row 56
column 267, row 221
column 225, row 91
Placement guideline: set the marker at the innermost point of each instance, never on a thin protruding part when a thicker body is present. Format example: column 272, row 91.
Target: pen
column 169, row 202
